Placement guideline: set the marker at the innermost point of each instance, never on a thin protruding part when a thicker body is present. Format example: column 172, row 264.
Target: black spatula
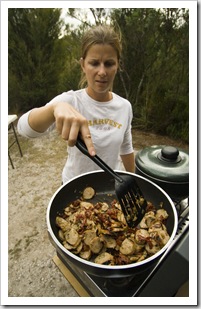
column 127, row 190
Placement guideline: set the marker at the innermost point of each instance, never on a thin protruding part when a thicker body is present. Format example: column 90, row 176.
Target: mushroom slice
column 121, row 217
column 109, row 241
column 164, row 237
column 122, row 259
column 67, row 211
column 62, row 223
column 72, row 237
column 79, row 248
column 143, row 256
column 152, row 247
column 104, row 207
column 148, row 218
column 127, row 247
column 88, row 236
column 96, row 245
column 141, row 236
column 161, row 237
column 61, row 235
column 67, row 246
column 90, row 224
column 86, row 255
column 86, row 205
column 143, row 224
column 104, row 258
column 161, row 214
column 138, row 257
column 88, row 193
column 156, row 226
column 138, row 248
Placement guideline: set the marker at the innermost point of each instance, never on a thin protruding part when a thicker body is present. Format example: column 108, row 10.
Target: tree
column 155, row 68
column 35, row 56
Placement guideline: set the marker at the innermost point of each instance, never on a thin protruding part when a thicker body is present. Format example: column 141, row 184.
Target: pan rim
column 112, row 267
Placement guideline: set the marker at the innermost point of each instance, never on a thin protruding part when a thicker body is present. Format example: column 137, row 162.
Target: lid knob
column 169, row 153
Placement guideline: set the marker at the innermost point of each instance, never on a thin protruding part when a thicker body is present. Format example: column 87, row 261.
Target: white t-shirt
column 110, row 128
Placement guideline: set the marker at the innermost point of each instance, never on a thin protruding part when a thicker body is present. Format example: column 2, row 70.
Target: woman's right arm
column 69, row 123
column 41, row 118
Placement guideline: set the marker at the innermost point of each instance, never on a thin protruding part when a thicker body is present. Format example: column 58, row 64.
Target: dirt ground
column 37, row 175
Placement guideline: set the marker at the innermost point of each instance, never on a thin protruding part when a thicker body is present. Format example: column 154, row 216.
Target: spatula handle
column 82, row 147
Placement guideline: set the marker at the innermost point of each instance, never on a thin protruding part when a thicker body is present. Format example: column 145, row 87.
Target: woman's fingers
column 70, row 123
column 67, row 121
column 90, row 148
column 73, row 132
column 88, row 140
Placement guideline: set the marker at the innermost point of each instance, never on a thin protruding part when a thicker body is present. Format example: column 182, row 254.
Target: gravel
column 37, row 175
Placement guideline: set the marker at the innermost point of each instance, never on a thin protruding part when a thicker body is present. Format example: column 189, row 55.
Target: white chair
column 11, row 119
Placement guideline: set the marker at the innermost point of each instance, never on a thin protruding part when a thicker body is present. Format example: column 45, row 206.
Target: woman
column 101, row 117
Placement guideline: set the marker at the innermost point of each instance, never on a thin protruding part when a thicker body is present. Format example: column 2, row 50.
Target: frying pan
column 103, row 184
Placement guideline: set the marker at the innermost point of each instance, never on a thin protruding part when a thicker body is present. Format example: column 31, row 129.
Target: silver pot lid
column 165, row 163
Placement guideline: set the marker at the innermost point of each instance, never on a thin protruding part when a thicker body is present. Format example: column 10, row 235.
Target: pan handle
column 82, row 147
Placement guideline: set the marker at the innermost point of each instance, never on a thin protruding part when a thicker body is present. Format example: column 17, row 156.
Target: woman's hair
column 101, row 34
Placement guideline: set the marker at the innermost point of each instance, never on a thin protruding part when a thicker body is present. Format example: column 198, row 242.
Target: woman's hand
column 70, row 123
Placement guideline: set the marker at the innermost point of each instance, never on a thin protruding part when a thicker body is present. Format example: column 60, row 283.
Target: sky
column 74, row 21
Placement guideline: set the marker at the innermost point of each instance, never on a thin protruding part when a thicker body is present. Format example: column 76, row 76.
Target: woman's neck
column 100, row 97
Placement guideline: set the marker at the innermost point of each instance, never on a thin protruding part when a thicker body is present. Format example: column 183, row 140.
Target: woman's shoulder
column 121, row 100
column 67, row 96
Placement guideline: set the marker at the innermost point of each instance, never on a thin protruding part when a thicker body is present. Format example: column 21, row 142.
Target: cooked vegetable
column 127, row 247
column 98, row 231
column 104, row 258
column 88, row 193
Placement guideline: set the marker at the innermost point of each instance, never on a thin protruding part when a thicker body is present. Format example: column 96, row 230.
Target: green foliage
column 70, row 74
column 36, row 57
column 156, row 61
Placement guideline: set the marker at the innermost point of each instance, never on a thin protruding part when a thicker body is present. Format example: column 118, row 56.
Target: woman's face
column 100, row 67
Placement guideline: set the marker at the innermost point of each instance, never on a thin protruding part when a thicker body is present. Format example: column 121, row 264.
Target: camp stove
column 162, row 280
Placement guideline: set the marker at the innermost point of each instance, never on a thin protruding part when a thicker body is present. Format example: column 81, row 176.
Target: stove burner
column 117, row 283
column 124, row 286
column 119, row 287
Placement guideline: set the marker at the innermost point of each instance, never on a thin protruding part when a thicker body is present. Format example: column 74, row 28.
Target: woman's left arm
column 129, row 162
